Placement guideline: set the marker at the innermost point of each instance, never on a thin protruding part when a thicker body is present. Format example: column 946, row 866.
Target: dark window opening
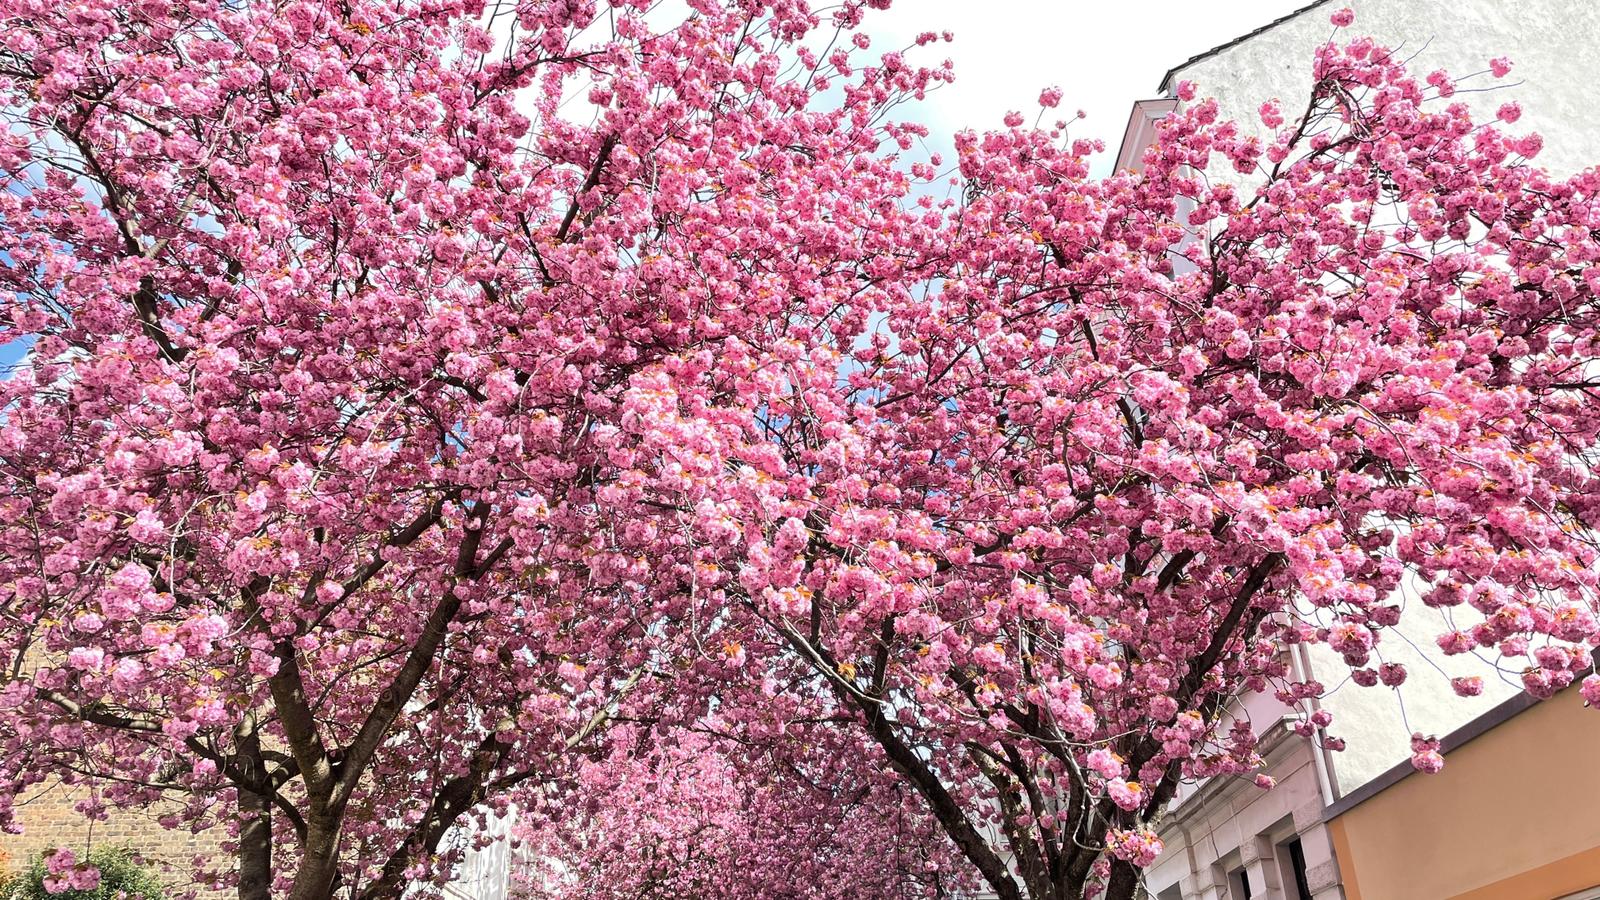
column 1297, row 862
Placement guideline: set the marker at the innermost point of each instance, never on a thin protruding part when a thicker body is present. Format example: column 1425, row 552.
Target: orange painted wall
column 1515, row 815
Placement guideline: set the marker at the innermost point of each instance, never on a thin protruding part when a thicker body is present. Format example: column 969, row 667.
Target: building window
column 1241, row 885
column 1297, row 866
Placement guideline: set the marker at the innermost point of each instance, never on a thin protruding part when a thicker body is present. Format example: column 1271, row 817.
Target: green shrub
column 121, row 878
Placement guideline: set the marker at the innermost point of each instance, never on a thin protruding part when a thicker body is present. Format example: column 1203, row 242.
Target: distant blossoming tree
column 687, row 813
column 393, row 421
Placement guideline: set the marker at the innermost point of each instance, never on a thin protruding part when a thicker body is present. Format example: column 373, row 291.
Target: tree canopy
column 395, row 443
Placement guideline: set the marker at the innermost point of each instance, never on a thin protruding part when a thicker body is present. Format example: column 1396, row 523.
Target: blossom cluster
column 394, row 448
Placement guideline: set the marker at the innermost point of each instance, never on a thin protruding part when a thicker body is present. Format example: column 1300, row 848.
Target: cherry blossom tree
column 417, row 388
column 1096, row 452
column 695, row 813
column 350, row 345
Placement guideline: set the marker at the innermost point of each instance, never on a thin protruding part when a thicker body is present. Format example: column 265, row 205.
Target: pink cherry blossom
column 1126, row 794
column 83, row 878
column 60, row 861
column 1428, row 761
column 1425, row 755
column 396, row 447
column 1105, row 763
column 1140, row 847
column 671, row 814
column 1591, row 690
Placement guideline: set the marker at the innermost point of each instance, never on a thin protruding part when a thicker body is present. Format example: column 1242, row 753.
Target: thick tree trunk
column 255, row 846
column 319, row 864
column 1124, row 881
column 255, row 817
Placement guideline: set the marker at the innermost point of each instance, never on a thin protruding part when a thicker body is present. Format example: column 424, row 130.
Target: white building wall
column 1552, row 45
column 485, row 872
column 1377, row 721
column 1229, row 827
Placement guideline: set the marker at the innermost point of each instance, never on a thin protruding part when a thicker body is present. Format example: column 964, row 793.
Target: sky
column 1104, row 54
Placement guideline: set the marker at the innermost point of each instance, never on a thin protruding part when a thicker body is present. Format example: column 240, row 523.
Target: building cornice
column 1273, row 747
column 1166, row 81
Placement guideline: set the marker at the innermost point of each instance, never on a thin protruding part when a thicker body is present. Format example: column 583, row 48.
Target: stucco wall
column 1513, row 816
column 1377, row 722
column 1552, row 46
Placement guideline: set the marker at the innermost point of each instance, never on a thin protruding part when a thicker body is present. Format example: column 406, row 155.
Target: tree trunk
column 255, row 846
column 1124, row 881
column 255, row 817
column 319, row 864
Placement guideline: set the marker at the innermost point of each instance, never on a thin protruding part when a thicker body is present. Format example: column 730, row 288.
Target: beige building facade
column 1514, row 815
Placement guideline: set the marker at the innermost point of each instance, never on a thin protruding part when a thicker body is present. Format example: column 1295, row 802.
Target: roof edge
column 1474, row 728
column 1166, row 80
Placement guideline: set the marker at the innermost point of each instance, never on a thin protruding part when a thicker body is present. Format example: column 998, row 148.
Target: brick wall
column 49, row 821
